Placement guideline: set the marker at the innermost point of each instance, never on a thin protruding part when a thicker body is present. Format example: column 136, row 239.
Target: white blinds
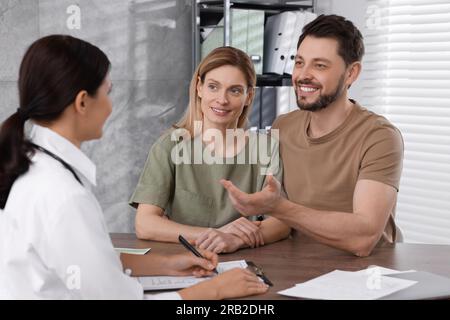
column 406, row 78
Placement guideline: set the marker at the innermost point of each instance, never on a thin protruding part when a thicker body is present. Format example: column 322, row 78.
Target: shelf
column 273, row 80
column 213, row 5
column 207, row 13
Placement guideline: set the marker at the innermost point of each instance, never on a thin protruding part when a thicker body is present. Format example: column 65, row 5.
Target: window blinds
column 406, row 78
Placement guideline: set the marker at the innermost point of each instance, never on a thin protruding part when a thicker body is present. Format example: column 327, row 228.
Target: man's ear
column 199, row 87
column 80, row 103
column 353, row 73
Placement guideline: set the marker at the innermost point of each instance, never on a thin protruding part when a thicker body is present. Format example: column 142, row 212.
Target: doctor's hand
column 188, row 264
column 234, row 283
column 262, row 202
column 218, row 241
column 246, row 230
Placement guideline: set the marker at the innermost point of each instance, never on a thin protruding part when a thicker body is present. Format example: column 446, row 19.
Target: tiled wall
column 149, row 45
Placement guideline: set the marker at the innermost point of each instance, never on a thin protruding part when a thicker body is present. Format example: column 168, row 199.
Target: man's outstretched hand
column 262, row 202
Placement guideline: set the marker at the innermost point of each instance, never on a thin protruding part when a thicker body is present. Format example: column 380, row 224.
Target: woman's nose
column 222, row 97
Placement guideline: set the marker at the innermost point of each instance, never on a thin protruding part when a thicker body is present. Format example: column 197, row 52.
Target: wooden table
column 299, row 259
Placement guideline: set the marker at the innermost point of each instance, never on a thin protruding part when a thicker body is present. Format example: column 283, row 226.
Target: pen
column 188, row 246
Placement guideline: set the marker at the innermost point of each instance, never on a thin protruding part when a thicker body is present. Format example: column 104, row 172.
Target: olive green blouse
column 189, row 192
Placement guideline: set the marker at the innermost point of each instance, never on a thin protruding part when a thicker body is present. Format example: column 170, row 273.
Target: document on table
column 168, row 282
column 368, row 284
column 133, row 250
column 381, row 270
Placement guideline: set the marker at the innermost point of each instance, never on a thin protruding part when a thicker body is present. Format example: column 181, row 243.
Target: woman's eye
column 212, row 87
column 236, row 91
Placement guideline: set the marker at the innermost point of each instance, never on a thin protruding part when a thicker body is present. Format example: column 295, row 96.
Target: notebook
column 169, row 282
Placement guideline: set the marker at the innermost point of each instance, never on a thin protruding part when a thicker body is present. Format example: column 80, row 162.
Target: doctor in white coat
column 54, row 243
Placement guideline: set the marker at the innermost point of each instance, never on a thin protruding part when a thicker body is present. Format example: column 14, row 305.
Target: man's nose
column 302, row 74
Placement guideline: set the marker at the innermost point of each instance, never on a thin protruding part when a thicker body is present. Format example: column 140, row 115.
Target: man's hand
column 188, row 264
column 217, row 241
column 246, row 230
column 262, row 202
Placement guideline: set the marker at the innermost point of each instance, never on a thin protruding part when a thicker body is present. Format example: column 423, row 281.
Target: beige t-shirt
column 321, row 173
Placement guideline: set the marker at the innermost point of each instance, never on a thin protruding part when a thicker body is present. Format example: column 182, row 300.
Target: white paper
column 382, row 270
column 168, row 282
column 345, row 285
column 133, row 250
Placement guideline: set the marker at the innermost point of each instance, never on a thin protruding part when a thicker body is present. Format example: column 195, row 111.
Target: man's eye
column 321, row 66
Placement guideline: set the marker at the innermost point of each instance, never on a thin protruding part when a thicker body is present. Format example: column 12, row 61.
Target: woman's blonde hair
column 219, row 57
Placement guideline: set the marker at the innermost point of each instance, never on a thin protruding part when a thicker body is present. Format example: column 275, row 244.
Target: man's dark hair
column 350, row 40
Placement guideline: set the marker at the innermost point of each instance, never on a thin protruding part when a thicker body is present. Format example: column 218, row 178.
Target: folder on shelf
column 247, row 34
column 302, row 19
column 286, row 100
column 255, row 38
column 268, row 106
column 278, row 35
column 254, row 116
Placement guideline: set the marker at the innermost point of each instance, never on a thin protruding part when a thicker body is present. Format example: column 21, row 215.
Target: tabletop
column 298, row 259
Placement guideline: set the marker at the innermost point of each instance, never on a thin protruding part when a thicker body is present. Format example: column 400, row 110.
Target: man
column 342, row 163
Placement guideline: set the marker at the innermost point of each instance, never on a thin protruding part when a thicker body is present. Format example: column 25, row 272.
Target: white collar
column 64, row 149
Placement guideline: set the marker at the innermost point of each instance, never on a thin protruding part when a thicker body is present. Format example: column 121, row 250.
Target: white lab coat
column 54, row 243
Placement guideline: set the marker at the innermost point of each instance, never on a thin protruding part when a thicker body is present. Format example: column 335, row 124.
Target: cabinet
column 239, row 28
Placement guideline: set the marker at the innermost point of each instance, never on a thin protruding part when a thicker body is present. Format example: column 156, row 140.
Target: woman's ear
column 81, row 102
column 250, row 95
column 199, row 87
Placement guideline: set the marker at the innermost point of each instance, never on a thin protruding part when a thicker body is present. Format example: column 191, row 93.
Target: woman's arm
column 151, row 224
column 242, row 233
column 274, row 230
column 234, row 283
column 170, row 265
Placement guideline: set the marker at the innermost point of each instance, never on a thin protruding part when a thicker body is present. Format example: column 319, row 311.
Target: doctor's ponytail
column 53, row 71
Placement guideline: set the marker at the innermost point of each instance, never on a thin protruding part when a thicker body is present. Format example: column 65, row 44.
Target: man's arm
column 356, row 232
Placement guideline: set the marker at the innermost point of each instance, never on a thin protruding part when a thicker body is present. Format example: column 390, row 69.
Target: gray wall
column 149, row 45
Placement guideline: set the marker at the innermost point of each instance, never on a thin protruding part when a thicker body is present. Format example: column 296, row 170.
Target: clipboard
column 259, row 272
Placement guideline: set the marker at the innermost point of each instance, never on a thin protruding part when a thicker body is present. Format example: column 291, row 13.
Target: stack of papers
column 166, row 282
column 368, row 284
column 133, row 251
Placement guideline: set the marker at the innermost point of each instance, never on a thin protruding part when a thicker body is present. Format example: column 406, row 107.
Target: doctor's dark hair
column 53, row 71
column 349, row 38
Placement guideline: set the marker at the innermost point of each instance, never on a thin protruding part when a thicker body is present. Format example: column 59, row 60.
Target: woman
column 54, row 241
column 184, row 196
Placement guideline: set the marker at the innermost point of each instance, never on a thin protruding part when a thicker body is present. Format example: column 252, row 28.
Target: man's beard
column 323, row 101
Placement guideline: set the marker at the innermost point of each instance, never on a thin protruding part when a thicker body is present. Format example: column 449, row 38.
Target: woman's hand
column 218, row 241
column 246, row 230
column 238, row 283
column 188, row 264
column 234, row 283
